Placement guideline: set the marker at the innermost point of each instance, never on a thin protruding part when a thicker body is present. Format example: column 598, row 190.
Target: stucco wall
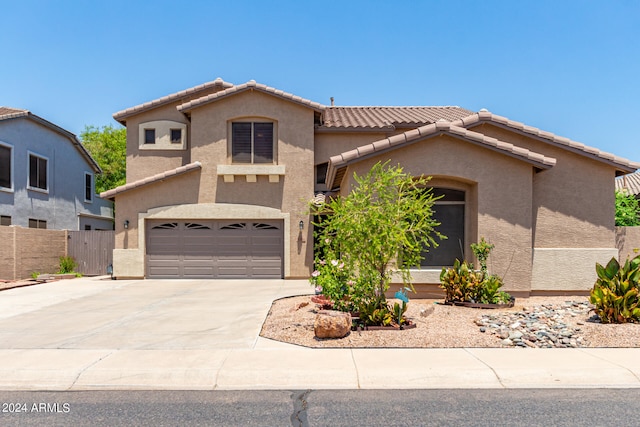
column 210, row 126
column 574, row 201
column 498, row 209
column 148, row 162
column 627, row 242
column 208, row 143
column 64, row 201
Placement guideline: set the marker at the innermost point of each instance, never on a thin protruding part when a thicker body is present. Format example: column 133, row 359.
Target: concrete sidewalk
column 80, row 357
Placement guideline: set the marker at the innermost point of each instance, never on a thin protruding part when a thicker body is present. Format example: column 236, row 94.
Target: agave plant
column 615, row 294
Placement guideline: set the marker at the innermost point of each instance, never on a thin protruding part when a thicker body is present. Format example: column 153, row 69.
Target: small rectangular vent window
column 176, row 136
column 149, row 136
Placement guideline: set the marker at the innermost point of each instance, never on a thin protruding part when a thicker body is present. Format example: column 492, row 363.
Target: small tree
column 108, row 146
column 627, row 209
column 383, row 225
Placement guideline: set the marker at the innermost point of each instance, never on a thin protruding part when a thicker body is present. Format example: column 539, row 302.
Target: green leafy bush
column 615, row 293
column 482, row 251
column 627, row 209
column 462, row 283
column 387, row 217
column 67, row 265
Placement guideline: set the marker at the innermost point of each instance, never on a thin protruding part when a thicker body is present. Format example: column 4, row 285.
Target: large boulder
column 332, row 324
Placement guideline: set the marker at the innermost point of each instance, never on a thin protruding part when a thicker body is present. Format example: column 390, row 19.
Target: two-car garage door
column 215, row 249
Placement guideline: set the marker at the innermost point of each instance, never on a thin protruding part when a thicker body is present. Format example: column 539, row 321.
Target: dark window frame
column 453, row 200
column 253, row 142
column 38, row 172
column 149, row 136
column 6, row 166
column 37, row 223
column 5, row 220
column 88, row 187
column 173, row 138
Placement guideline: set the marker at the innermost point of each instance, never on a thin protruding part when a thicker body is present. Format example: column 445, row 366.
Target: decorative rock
column 539, row 326
column 332, row 324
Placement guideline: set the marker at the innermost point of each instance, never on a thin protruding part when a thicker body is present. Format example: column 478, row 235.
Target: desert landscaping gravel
column 547, row 322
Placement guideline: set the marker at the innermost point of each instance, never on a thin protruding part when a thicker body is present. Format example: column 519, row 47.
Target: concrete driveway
column 99, row 313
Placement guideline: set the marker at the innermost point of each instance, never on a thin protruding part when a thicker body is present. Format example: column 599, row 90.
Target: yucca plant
column 615, row 293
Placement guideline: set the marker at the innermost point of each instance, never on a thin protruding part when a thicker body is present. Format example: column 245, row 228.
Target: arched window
column 449, row 211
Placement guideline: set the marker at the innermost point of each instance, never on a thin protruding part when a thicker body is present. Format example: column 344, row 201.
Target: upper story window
column 252, row 142
column 5, row 220
column 88, row 187
column 6, row 167
column 162, row 135
column 38, row 172
column 149, row 136
column 176, row 136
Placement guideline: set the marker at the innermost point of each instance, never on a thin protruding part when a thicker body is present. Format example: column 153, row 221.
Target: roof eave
column 111, row 194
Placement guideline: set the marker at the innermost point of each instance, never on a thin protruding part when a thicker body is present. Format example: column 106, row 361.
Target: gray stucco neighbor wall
column 63, row 204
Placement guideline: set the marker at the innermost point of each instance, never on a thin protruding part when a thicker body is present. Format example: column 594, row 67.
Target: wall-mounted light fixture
column 301, row 225
column 126, row 224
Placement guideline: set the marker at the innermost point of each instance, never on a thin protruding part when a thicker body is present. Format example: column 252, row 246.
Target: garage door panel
column 215, row 249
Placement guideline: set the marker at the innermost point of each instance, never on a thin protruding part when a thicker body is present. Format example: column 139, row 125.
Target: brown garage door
column 215, row 249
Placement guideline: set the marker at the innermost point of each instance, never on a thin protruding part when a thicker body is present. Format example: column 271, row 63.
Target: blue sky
column 570, row 67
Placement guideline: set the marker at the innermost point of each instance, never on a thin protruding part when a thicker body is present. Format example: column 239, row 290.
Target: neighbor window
column 176, row 136
column 149, row 136
column 6, row 166
column 449, row 211
column 88, row 187
column 5, row 220
column 87, row 227
column 37, row 223
column 252, row 142
column 38, row 172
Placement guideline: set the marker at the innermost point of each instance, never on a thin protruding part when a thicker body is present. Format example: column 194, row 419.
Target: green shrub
column 460, row 282
column 67, row 265
column 481, row 251
column 386, row 217
column 627, row 209
column 615, row 293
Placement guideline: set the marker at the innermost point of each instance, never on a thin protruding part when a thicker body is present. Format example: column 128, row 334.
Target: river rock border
column 544, row 326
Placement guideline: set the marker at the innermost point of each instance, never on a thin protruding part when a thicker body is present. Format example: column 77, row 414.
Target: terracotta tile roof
column 250, row 85
column 191, row 92
column 623, row 165
column 7, row 113
column 110, row 194
column 630, row 182
column 388, row 117
column 339, row 163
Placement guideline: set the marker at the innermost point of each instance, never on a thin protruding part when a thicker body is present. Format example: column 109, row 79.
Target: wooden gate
column 92, row 250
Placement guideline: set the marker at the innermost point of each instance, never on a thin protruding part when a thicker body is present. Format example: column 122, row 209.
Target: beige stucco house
column 220, row 176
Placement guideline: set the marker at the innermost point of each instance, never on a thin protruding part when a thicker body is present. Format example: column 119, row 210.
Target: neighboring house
column 47, row 177
column 629, row 183
column 220, row 176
